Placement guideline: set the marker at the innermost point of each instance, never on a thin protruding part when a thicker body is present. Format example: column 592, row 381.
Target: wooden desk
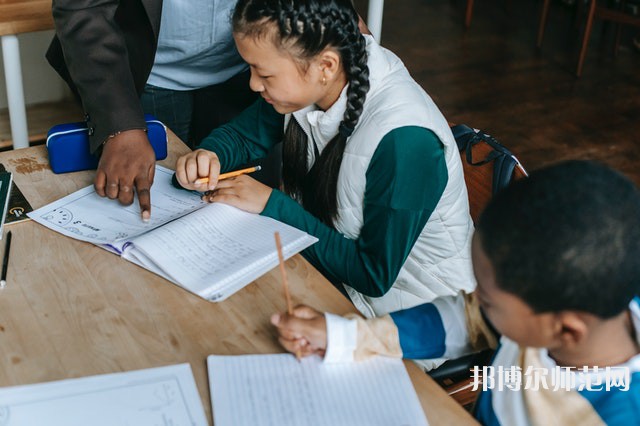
column 71, row 309
column 19, row 16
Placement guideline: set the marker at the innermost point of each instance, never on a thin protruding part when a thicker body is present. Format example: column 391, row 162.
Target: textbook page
column 215, row 251
column 155, row 396
column 270, row 390
column 86, row 216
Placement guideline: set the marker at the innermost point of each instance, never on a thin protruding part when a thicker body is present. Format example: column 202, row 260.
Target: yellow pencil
column 230, row 174
column 285, row 284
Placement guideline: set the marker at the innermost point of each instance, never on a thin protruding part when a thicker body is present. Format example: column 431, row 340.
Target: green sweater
column 405, row 180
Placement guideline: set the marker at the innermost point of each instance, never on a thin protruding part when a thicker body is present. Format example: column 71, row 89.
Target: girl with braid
column 370, row 166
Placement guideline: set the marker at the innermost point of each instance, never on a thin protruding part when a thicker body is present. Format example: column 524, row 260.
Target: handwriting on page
column 200, row 256
column 278, row 390
column 211, row 246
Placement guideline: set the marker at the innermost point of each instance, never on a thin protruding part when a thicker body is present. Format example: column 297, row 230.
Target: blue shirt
column 195, row 45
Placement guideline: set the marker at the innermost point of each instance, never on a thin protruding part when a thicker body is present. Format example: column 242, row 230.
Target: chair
column 544, row 14
column 483, row 177
column 619, row 16
column 597, row 9
column 481, row 174
column 468, row 14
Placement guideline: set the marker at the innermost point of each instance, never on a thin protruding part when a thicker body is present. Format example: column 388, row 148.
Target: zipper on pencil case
column 66, row 132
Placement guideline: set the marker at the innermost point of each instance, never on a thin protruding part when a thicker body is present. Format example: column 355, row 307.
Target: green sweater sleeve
column 247, row 137
column 405, row 180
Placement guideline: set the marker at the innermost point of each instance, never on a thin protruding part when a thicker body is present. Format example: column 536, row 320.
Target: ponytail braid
column 306, row 27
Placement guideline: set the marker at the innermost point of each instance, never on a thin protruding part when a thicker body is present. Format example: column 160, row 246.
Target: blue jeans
column 174, row 108
column 192, row 114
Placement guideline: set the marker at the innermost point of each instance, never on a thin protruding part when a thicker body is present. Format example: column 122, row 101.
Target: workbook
column 151, row 397
column 279, row 390
column 212, row 250
column 18, row 206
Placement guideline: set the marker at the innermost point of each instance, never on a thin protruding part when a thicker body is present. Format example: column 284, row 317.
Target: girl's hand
column 242, row 192
column 195, row 165
column 304, row 332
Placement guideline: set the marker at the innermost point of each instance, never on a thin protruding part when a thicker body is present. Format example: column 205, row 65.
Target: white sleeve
column 342, row 338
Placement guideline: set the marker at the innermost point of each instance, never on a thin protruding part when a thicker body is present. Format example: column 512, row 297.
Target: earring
column 324, row 80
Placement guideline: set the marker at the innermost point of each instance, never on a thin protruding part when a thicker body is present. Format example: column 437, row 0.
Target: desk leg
column 374, row 18
column 15, row 93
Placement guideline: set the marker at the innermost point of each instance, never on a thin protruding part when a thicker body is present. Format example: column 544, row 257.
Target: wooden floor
column 492, row 77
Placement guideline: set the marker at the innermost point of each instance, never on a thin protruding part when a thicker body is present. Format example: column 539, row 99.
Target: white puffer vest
column 439, row 263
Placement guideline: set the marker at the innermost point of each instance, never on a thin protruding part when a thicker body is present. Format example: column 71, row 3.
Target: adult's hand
column 127, row 164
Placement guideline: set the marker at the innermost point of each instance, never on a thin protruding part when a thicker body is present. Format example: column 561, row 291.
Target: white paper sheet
column 86, row 216
column 265, row 390
column 238, row 248
column 153, row 397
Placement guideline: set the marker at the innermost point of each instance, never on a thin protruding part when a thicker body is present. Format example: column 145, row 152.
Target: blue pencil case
column 68, row 145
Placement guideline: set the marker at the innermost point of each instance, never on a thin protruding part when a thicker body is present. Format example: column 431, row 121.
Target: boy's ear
column 571, row 328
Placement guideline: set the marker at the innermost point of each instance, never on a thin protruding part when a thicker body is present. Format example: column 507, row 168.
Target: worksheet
column 86, row 216
column 161, row 396
column 278, row 390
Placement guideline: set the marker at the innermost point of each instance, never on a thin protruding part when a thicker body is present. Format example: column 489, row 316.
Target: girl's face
column 281, row 81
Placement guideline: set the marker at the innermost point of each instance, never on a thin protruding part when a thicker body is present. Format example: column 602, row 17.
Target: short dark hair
column 566, row 238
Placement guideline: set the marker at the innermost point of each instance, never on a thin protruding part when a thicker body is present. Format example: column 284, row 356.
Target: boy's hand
column 243, row 192
column 304, row 332
column 195, row 165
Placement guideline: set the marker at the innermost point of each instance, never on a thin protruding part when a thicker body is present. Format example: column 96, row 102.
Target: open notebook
column 278, row 390
column 212, row 250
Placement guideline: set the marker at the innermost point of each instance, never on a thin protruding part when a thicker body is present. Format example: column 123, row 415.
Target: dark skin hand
column 127, row 164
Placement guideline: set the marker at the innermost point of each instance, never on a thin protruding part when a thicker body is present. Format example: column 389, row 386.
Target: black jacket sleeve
column 105, row 50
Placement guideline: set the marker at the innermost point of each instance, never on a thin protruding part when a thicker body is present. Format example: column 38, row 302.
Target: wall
column 41, row 83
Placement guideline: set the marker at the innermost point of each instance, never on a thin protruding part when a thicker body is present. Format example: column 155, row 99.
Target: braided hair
column 305, row 28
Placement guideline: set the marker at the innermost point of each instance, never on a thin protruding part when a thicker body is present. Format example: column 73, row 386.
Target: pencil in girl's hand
column 285, row 284
column 230, row 174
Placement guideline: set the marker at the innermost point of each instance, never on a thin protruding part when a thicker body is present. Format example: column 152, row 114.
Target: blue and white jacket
column 523, row 386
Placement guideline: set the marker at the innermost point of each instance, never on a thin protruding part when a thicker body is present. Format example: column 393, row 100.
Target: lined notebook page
column 216, row 249
column 266, row 390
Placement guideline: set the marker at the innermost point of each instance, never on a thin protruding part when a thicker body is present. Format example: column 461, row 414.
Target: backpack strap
column 504, row 162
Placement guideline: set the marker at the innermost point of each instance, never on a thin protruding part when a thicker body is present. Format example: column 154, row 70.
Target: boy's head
column 567, row 239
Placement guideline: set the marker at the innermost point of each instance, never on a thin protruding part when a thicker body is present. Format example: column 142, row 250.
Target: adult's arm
column 97, row 38
column 93, row 35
